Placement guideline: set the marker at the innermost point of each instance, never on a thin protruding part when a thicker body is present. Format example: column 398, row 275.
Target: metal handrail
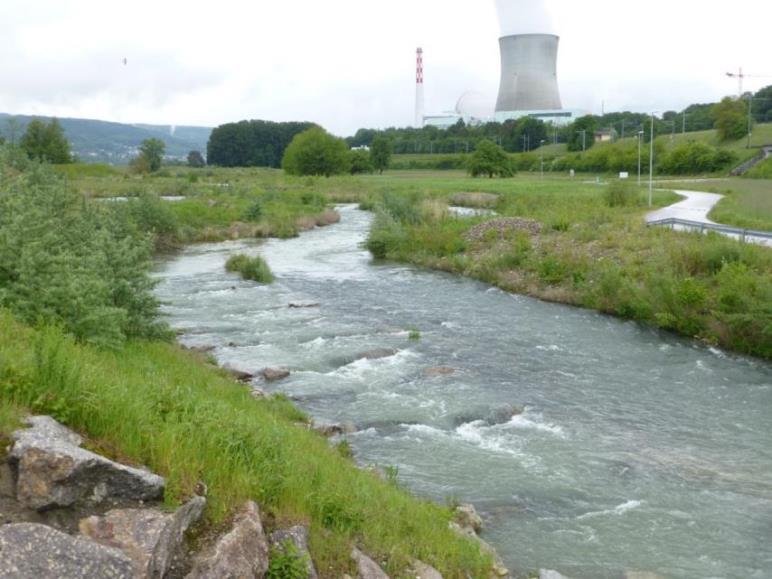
column 702, row 227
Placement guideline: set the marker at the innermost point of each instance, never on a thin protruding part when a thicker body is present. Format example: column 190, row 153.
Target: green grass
column 157, row 405
column 593, row 251
column 251, row 268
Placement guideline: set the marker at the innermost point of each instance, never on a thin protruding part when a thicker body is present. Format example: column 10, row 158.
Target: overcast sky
column 350, row 63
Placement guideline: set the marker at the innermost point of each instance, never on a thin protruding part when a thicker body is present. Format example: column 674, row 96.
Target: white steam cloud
column 524, row 17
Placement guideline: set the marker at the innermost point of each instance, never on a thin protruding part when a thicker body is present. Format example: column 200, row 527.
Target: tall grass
column 156, row 405
column 251, row 268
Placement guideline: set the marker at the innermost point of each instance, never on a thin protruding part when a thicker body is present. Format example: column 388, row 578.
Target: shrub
column 489, row 159
column 252, row 268
column 695, row 157
column 620, row 193
column 287, row 562
column 316, row 152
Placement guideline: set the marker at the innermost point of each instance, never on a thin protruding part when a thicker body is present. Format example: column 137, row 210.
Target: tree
column 731, row 119
column 582, row 135
column 762, row 105
column 380, row 153
column 152, row 151
column 360, row 162
column 252, row 143
column 46, row 142
column 316, row 152
column 196, row 160
column 489, row 159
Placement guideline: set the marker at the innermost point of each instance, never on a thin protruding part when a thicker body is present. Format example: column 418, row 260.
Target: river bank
column 518, row 406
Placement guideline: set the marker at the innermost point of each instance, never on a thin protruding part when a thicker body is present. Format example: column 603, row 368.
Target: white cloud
column 349, row 63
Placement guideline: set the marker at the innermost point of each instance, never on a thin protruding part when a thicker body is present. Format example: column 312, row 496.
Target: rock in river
column 274, row 374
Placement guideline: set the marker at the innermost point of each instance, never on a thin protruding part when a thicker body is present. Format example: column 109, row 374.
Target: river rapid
column 591, row 446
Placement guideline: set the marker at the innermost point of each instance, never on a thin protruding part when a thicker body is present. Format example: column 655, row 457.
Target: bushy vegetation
column 490, row 160
column 46, row 142
column 252, row 268
column 695, row 157
column 316, row 152
column 252, row 143
column 61, row 261
column 593, row 250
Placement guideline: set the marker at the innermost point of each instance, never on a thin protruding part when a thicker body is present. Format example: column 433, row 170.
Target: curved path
column 695, row 207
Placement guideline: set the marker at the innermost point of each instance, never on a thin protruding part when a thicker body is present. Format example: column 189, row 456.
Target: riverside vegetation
column 102, row 363
column 80, row 340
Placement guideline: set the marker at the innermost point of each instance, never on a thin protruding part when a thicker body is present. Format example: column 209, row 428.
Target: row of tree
column 252, row 143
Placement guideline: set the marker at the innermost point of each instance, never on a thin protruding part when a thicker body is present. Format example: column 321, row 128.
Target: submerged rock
column 239, row 375
column 298, row 537
column 366, row 567
column 274, row 374
column 301, row 306
column 376, row 354
column 149, row 537
column 53, row 471
column 40, row 552
column 439, row 371
column 335, row 429
column 240, row 553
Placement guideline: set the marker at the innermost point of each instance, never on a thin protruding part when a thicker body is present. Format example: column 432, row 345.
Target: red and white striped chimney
column 419, row 88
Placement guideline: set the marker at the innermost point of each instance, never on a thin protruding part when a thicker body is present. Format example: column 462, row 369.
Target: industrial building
column 528, row 86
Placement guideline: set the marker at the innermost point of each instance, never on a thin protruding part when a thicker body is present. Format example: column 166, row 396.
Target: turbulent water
column 634, row 450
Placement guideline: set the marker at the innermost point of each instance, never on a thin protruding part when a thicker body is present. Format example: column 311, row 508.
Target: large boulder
column 241, row 553
column 54, row 471
column 366, row 567
column 298, row 537
column 149, row 537
column 31, row 550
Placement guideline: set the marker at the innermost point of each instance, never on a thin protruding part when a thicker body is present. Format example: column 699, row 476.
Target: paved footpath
column 695, row 207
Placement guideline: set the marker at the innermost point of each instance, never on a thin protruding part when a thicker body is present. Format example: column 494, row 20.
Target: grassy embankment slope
column 149, row 402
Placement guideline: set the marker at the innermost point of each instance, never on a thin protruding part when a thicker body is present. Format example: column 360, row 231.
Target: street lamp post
column 651, row 163
column 750, row 118
column 541, row 149
column 640, row 139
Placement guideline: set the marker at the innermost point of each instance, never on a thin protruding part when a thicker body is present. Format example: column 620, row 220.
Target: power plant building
column 528, row 87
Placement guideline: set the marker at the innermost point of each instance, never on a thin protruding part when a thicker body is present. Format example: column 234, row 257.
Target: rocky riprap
column 69, row 513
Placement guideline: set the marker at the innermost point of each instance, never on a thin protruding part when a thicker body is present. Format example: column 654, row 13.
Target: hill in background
column 116, row 143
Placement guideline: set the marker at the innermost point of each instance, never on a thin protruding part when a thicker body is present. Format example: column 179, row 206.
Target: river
column 635, row 450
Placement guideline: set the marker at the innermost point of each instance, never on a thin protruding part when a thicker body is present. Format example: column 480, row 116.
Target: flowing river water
column 635, row 450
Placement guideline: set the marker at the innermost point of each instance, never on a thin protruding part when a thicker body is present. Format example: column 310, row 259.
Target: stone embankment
column 69, row 513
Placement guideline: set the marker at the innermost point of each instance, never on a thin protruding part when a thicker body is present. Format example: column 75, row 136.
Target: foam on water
column 619, row 510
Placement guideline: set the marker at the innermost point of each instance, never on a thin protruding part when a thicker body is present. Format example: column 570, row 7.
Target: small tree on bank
column 151, row 154
column 731, row 119
column 316, row 152
column 46, row 142
column 491, row 160
column 380, row 153
column 196, row 160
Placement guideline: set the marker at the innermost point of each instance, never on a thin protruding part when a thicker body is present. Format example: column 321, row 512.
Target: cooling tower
column 529, row 55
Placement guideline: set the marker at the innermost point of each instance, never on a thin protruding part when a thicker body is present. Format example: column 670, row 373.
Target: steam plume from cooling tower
column 524, row 17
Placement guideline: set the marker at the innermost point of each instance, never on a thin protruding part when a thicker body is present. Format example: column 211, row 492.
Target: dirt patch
column 499, row 228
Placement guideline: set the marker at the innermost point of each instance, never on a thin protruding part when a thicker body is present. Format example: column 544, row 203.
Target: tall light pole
column 640, row 140
column 584, row 139
column 651, row 163
column 541, row 149
column 750, row 118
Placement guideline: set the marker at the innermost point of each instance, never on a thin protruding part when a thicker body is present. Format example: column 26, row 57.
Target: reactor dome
column 474, row 105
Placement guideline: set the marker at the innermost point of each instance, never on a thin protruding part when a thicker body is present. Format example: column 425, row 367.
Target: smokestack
column 419, row 88
column 529, row 54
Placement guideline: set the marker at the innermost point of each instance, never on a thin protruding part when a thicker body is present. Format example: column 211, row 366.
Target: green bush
column 695, row 157
column 287, row 562
column 252, row 268
column 83, row 266
column 620, row 193
column 316, row 152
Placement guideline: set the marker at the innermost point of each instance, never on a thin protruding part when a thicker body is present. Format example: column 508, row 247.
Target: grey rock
column 239, row 375
column 421, row 570
column 298, row 536
column 53, row 471
column 376, row 354
column 31, row 550
column 335, row 429
column 466, row 516
column 274, row 374
column 241, row 553
column 366, row 567
column 149, row 537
